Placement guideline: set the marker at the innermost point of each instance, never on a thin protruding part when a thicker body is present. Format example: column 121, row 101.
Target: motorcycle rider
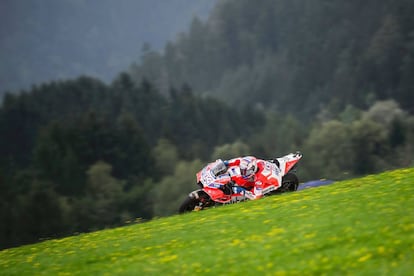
column 247, row 172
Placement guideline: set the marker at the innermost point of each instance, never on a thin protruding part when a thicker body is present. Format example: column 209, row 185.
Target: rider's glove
column 227, row 188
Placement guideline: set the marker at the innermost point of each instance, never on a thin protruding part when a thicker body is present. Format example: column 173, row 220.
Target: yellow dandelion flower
column 168, row 258
column 310, row 235
column 235, row 242
column 365, row 258
column 275, row 231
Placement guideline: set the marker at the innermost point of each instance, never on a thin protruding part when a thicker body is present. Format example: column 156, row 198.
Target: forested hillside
column 79, row 154
column 329, row 78
column 295, row 56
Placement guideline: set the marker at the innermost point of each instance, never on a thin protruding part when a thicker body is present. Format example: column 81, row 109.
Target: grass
column 362, row 226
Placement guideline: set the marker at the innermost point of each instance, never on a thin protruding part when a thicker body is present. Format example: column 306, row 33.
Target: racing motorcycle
column 217, row 187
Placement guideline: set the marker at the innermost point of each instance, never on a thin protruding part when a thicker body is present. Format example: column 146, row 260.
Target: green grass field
column 362, row 226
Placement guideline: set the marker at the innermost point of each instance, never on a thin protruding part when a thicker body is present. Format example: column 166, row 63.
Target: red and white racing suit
column 263, row 176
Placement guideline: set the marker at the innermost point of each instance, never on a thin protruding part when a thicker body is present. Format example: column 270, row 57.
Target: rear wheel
column 290, row 182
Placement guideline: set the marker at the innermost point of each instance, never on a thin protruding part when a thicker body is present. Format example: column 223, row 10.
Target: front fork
column 202, row 198
column 196, row 194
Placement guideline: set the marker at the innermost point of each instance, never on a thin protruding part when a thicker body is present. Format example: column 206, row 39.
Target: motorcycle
column 217, row 186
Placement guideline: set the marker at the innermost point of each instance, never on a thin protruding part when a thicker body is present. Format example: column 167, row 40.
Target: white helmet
column 247, row 167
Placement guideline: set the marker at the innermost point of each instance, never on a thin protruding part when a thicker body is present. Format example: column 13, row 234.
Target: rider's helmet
column 247, row 167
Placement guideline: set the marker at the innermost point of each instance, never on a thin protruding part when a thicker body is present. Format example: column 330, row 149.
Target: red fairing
column 290, row 164
column 217, row 195
column 266, row 174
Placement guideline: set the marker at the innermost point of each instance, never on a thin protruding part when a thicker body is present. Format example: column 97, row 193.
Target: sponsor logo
column 214, row 185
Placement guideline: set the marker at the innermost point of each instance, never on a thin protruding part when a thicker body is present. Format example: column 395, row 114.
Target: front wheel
column 188, row 205
column 196, row 200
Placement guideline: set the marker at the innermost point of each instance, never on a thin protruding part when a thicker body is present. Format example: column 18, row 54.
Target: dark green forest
column 288, row 55
column 332, row 79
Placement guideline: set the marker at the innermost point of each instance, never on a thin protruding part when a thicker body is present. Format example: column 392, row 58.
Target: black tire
column 290, row 182
column 188, row 205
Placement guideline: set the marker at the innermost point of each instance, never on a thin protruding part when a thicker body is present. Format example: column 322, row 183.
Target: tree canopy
column 282, row 54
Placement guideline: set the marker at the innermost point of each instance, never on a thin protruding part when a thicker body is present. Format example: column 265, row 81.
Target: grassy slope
column 362, row 226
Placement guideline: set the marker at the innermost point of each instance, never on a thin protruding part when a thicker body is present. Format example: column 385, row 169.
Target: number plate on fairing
column 207, row 177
